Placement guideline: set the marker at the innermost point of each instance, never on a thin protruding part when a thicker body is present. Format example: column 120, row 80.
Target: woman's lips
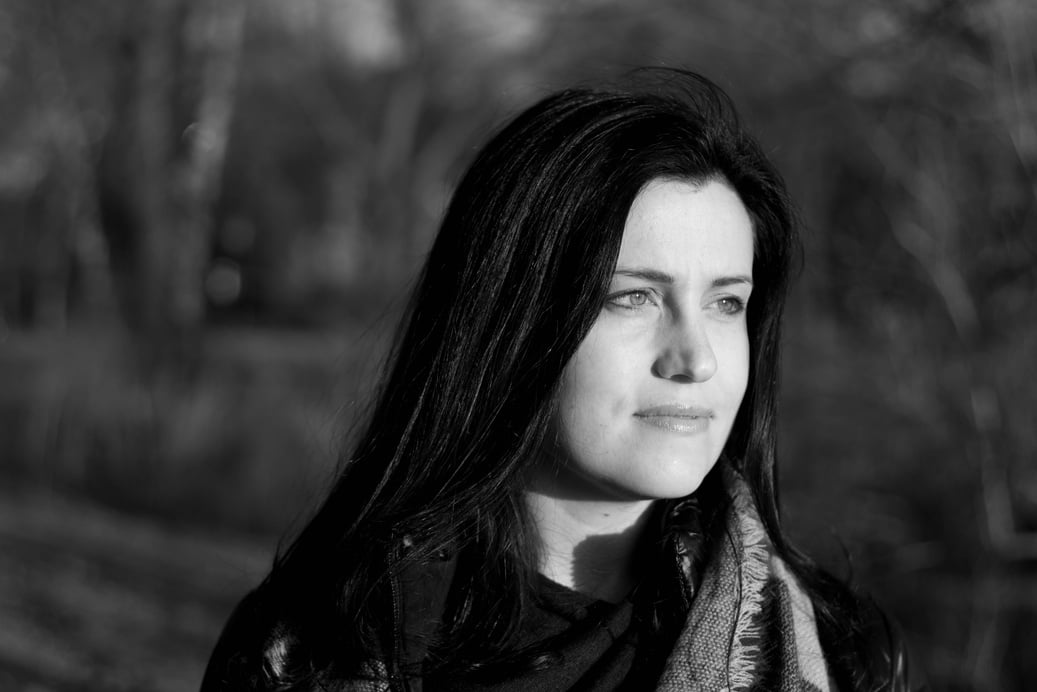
column 676, row 418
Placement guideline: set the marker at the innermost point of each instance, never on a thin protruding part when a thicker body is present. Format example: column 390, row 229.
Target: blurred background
column 211, row 212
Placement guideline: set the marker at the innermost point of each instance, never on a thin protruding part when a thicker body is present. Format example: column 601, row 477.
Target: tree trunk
column 185, row 57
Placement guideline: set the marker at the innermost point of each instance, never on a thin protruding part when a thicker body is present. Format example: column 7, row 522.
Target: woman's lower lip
column 676, row 424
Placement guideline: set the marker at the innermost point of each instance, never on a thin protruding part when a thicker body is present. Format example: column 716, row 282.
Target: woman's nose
column 685, row 354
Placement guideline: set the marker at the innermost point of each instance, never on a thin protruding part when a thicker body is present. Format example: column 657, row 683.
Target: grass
column 244, row 443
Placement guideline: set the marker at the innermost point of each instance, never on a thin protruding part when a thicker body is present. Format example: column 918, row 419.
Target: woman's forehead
column 675, row 228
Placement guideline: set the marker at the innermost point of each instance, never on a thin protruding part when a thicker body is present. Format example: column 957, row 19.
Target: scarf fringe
column 754, row 570
column 812, row 666
column 727, row 633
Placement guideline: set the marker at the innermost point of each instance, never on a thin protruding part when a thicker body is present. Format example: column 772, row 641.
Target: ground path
column 91, row 599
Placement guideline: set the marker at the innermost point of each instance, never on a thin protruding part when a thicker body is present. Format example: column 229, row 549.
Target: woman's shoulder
column 262, row 648
column 253, row 650
column 267, row 645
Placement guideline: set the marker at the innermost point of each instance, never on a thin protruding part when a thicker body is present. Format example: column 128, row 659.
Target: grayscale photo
column 518, row 345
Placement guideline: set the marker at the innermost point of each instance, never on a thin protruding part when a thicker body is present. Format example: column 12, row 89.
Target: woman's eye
column 631, row 300
column 730, row 305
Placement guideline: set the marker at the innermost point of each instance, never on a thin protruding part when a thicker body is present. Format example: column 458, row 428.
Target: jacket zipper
column 396, row 680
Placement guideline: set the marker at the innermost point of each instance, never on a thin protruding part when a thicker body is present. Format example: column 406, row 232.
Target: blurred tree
column 924, row 252
column 286, row 163
column 56, row 259
column 173, row 101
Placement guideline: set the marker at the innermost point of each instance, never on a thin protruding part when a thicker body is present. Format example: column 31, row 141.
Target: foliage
column 203, row 200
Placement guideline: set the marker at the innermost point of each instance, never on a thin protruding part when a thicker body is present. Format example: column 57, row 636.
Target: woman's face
column 647, row 402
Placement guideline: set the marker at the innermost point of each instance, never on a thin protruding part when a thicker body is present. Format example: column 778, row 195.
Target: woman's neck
column 589, row 545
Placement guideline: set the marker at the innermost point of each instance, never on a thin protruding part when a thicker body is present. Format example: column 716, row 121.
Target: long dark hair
column 515, row 279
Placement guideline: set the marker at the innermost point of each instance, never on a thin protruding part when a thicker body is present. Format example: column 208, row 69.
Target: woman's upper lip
column 675, row 411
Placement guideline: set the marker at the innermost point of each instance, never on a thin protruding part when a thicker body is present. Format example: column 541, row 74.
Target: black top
column 593, row 645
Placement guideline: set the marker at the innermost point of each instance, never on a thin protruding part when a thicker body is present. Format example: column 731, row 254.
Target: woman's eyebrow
column 661, row 277
column 732, row 281
column 653, row 275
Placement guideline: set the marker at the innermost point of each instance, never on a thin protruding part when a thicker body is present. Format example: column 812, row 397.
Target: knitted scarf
column 722, row 643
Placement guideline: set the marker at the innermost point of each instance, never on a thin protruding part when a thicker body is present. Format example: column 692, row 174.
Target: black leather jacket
column 253, row 651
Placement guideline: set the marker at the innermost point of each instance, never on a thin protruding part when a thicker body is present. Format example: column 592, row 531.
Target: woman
column 568, row 478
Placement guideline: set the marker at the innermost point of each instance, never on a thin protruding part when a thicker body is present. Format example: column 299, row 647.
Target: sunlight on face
column 648, row 400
